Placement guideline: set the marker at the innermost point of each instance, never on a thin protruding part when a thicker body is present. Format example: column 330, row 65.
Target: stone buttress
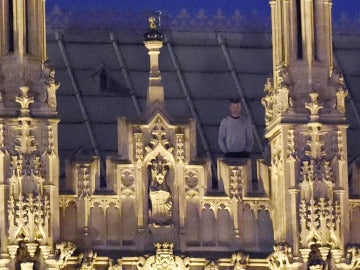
column 305, row 124
column 28, row 139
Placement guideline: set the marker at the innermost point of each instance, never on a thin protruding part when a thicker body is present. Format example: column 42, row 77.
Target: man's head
column 235, row 107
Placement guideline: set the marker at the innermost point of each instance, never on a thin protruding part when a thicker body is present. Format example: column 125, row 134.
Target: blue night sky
column 349, row 7
column 346, row 13
column 172, row 6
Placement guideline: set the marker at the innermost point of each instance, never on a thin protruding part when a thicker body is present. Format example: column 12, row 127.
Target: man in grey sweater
column 235, row 133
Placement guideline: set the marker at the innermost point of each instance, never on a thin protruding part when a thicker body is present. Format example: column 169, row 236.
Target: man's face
column 235, row 109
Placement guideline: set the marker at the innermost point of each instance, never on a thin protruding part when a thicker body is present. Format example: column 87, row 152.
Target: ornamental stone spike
column 153, row 40
column 24, row 100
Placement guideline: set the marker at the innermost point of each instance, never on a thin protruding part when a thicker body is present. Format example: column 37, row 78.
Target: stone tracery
column 159, row 171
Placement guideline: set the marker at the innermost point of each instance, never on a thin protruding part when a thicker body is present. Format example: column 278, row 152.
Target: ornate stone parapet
column 83, row 176
column 258, row 204
column 236, row 176
column 216, row 203
column 84, row 184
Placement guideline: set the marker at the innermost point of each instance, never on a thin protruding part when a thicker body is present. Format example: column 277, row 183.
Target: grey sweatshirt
column 235, row 135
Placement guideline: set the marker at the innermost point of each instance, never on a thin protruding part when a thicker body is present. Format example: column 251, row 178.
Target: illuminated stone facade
column 159, row 210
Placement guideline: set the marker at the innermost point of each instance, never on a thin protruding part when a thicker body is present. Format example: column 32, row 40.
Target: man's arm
column 222, row 137
column 249, row 137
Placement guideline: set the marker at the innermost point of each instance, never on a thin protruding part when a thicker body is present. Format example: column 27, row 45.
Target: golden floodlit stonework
column 158, row 210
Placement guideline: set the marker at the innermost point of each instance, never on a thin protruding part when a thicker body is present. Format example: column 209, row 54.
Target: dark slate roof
column 204, row 68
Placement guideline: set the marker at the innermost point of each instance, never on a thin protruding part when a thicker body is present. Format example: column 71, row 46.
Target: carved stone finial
column 305, row 253
column 283, row 77
column 153, row 34
column 353, row 257
column 240, row 260
column 25, row 140
column 12, row 249
column 45, row 251
column 139, row 146
column 268, row 85
column 84, row 172
column 49, row 86
column 32, row 247
column 180, row 150
column 314, row 106
column 24, row 100
column 66, row 250
column 281, row 257
column 87, row 260
column 341, row 94
column 236, row 183
column 152, row 22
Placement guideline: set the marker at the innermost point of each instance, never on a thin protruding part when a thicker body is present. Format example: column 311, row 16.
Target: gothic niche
column 159, row 193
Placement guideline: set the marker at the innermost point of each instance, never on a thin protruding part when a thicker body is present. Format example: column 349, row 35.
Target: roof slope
column 104, row 77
